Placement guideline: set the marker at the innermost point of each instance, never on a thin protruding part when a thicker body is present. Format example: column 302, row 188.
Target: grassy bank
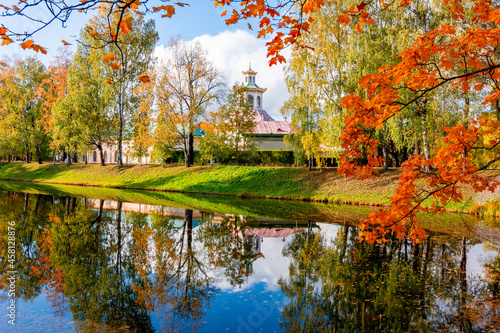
column 243, row 181
column 263, row 182
column 449, row 224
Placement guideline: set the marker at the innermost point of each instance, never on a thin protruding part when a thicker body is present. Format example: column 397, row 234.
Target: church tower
column 254, row 93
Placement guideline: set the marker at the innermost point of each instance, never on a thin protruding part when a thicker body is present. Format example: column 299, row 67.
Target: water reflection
column 115, row 266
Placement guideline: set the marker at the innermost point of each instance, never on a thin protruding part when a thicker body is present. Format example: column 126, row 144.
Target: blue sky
column 230, row 48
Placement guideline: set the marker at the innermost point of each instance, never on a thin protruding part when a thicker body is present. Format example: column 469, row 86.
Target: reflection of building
column 250, row 248
column 268, row 133
column 175, row 214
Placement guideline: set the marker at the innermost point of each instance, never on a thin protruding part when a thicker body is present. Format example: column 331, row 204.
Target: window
column 116, row 156
column 105, row 156
column 250, row 101
column 258, row 102
column 94, row 157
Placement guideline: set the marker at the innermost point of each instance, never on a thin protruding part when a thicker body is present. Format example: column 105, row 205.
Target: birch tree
column 188, row 83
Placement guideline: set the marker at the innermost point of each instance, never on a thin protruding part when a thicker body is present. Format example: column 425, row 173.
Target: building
column 268, row 133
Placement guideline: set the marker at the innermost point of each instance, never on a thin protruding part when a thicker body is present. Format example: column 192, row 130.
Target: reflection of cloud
column 232, row 51
column 329, row 231
column 274, row 266
column 477, row 257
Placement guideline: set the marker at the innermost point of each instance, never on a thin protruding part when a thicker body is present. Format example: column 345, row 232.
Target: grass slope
column 243, row 181
column 264, row 182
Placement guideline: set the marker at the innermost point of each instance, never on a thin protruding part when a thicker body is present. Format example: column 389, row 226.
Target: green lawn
column 242, row 181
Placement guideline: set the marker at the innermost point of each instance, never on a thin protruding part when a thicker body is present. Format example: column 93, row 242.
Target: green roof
column 252, row 85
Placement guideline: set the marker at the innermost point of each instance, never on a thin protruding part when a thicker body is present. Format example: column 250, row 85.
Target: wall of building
column 110, row 152
column 270, row 143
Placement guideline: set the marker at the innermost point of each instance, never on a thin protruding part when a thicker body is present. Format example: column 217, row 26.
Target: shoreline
column 278, row 183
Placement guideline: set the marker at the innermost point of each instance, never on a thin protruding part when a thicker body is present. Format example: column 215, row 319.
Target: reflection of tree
column 174, row 280
column 306, row 311
column 230, row 248
column 397, row 286
column 112, row 268
column 97, row 276
column 30, row 216
column 485, row 311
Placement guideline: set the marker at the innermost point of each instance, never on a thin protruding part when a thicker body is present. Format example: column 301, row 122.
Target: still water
column 99, row 265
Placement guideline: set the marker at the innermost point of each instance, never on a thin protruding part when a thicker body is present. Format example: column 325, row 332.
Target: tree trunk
column 101, row 154
column 425, row 143
column 84, row 157
column 120, row 134
column 384, row 156
column 236, row 154
column 467, row 109
column 191, row 148
column 38, row 154
column 186, row 155
column 69, row 156
column 27, row 158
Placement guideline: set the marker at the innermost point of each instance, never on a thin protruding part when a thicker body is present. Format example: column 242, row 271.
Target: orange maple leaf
column 27, row 44
column 144, row 78
column 135, row 4
column 6, row 40
column 65, row 42
column 167, row 8
column 126, row 26
column 108, row 57
column 115, row 65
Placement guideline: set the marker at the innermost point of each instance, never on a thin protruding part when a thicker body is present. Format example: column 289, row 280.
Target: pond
column 91, row 260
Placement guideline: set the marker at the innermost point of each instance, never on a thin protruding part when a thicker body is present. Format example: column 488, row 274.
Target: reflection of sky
column 253, row 309
column 477, row 256
column 36, row 316
column 273, row 266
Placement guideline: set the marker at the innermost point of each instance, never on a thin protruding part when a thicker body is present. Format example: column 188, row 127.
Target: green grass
column 263, row 182
column 242, row 181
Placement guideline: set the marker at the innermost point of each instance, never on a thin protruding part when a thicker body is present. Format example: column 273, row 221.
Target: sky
column 231, row 48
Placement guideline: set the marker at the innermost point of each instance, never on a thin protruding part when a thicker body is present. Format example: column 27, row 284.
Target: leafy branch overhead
column 284, row 20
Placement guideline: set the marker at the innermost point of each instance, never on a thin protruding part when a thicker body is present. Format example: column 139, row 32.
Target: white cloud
column 232, row 51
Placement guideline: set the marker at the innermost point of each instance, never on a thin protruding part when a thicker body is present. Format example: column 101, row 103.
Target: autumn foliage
column 444, row 56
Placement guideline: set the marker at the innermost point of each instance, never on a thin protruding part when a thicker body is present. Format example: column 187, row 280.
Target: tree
column 187, row 85
column 21, row 102
column 464, row 59
column 230, row 128
column 142, row 132
column 133, row 52
column 84, row 118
